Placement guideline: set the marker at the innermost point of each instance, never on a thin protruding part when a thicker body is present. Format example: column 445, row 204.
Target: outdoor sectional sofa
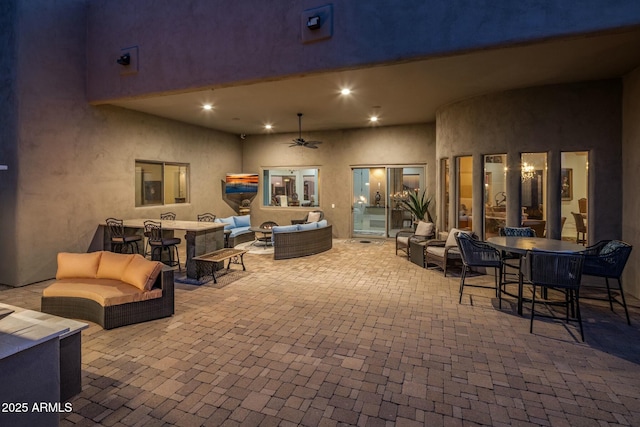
column 110, row 289
column 236, row 229
column 298, row 240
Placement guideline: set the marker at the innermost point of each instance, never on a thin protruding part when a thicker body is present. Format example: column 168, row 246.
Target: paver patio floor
column 354, row 336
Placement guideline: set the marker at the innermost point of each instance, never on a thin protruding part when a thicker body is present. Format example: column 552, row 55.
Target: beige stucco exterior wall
column 630, row 167
column 75, row 164
column 340, row 151
column 551, row 119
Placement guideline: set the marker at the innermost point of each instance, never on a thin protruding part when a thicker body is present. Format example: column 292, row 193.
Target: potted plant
column 418, row 206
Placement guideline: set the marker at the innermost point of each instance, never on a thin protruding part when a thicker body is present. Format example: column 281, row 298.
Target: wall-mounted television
column 236, row 183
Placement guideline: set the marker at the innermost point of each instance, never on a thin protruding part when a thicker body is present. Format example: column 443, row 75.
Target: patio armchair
column 444, row 253
column 424, row 231
column 607, row 259
column 311, row 216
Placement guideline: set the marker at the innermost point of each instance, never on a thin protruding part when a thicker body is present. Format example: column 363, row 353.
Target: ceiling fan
column 299, row 141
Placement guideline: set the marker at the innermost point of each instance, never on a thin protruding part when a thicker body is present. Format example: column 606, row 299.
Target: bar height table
column 201, row 237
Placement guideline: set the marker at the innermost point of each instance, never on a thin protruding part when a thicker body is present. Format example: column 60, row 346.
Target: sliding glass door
column 378, row 192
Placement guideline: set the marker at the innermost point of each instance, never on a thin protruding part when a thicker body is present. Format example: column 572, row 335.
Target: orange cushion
column 72, row 265
column 106, row 292
column 141, row 272
column 112, row 265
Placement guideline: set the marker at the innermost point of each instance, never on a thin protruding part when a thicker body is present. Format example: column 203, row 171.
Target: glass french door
column 378, row 192
column 369, row 202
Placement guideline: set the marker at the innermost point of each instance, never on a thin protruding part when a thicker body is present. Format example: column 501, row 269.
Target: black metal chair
column 119, row 240
column 168, row 216
column 206, row 217
column 555, row 271
column 607, row 259
column 479, row 254
column 158, row 243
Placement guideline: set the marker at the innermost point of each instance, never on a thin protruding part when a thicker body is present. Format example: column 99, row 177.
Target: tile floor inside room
column 354, row 336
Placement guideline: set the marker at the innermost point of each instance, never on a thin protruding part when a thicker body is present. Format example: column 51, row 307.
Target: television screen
column 241, row 183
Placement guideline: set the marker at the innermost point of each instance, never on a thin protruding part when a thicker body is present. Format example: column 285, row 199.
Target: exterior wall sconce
column 124, row 59
column 313, row 23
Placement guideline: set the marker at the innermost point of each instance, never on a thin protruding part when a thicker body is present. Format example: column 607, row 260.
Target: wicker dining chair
column 159, row 243
column 555, row 271
column 119, row 240
column 510, row 260
column 475, row 253
column 206, row 217
column 607, row 259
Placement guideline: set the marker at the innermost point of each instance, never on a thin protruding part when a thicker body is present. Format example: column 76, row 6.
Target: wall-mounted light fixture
column 124, row 59
column 313, row 23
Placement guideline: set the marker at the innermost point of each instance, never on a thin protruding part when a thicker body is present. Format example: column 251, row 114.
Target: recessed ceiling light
column 345, row 91
column 373, row 119
column 207, row 107
column 268, row 127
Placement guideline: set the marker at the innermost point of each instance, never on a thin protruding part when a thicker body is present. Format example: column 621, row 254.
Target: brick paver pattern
column 354, row 336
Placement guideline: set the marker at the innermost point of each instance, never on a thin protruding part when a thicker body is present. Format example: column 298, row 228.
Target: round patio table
column 266, row 235
column 520, row 246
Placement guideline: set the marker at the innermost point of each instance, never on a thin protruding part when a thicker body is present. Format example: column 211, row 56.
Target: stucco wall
column 571, row 117
column 8, row 134
column 185, row 45
column 340, row 151
column 630, row 167
column 76, row 162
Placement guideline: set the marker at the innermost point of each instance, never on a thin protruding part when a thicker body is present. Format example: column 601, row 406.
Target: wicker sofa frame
column 241, row 238
column 115, row 316
column 294, row 244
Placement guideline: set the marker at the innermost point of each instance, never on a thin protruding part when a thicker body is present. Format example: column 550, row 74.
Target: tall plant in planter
column 418, row 206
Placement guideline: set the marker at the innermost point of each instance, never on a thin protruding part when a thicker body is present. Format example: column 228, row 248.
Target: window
column 495, row 194
column 465, row 191
column 444, row 180
column 287, row 187
column 533, row 191
column 159, row 183
column 574, row 177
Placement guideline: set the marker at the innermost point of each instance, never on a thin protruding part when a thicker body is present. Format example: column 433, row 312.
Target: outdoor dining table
column 520, row 246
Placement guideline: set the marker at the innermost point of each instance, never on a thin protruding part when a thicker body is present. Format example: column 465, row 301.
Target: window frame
column 153, row 192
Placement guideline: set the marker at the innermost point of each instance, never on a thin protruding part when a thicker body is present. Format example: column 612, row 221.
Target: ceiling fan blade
column 313, row 142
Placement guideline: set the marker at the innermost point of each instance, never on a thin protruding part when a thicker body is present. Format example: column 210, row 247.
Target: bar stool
column 119, row 239
column 159, row 243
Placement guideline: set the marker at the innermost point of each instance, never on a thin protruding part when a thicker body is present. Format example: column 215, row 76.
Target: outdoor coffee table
column 208, row 263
